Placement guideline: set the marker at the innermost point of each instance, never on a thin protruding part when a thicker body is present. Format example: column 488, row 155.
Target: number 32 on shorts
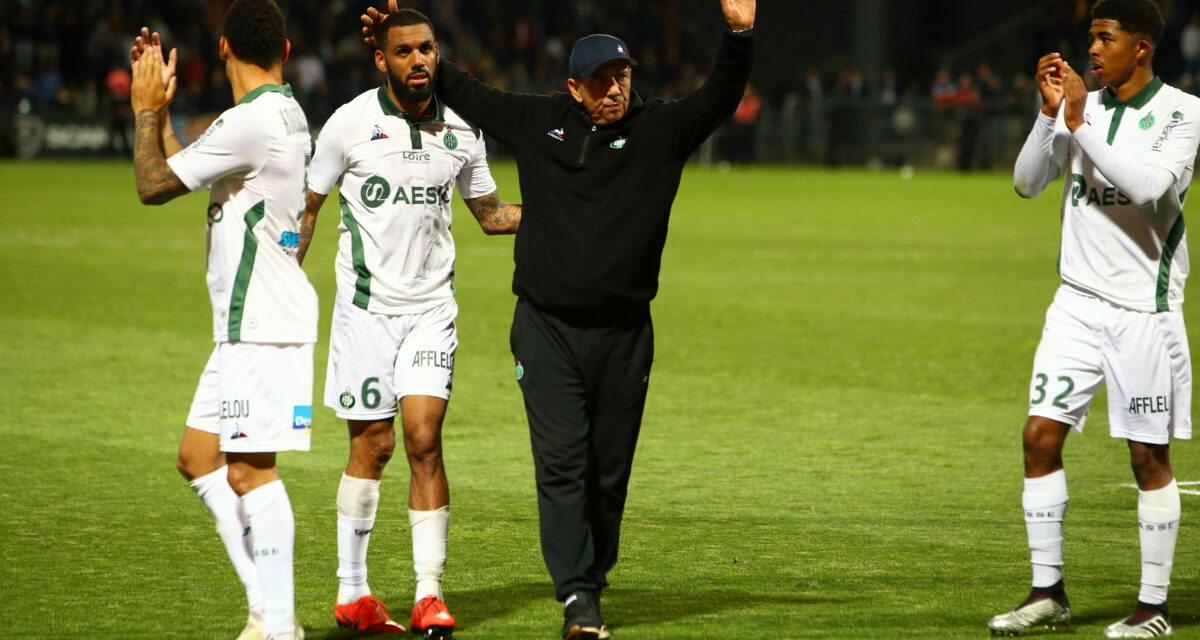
column 1040, row 390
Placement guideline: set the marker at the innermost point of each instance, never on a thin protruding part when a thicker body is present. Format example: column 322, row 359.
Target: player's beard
column 408, row 94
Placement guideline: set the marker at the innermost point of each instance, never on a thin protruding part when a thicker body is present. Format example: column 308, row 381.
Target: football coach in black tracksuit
column 599, row 170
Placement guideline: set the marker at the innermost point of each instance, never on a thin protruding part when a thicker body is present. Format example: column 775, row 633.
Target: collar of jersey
column 391, row 109
column 1139, row 99
column 267, row 88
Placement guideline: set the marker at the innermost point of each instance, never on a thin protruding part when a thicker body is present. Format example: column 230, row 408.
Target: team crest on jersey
column 619, row 143
column 1147, row 122
column 346, row 399
column 450, row 140
column 216, row 213
column 378, row 134
column 520, row 371
column 557, row 134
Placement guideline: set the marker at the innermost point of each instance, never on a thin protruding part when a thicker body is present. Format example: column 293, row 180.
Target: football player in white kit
column 1127, row 152
column 398, row 155
column 255, row 395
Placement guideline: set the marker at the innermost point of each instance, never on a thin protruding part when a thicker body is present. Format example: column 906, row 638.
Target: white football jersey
column 253, row 159
column 1133, row 257
column 395, row 252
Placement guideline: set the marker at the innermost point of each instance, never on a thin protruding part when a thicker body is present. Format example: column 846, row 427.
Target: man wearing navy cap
column 599, row 169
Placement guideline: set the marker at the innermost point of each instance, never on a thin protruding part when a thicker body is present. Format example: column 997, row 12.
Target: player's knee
column 376, row 449
column 424, row 449
column 240, row 479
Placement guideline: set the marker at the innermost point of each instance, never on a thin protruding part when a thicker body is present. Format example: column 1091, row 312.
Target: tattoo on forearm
column 494, row 216
column 156, row 183
column 308, row 223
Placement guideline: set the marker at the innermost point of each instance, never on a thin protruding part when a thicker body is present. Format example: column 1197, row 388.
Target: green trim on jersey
column 241, row 282
column 1139, row 100
column 414, row 131
column 362, row 286
column 286, row 90
column 1116, row 122
column 1164, row 263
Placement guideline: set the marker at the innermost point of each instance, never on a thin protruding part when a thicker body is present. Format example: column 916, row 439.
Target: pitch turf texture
column 831, row 447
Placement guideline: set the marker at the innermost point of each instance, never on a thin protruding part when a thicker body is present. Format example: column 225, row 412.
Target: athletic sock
column 357, row 500
column 1045, row 503
column 1158, row 527
column 274, row 528
column 430, row 529
column 232, row 526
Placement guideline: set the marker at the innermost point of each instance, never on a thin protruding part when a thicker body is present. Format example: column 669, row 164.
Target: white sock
column 1158, row 527
column 357, row 500
column 274, row 527
column 226, row 509
column 430, row 529
column 1045, row 504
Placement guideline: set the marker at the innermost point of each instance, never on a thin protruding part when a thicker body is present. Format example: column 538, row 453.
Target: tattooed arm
column 495, row 217
column 156, row 183
column 308, row 222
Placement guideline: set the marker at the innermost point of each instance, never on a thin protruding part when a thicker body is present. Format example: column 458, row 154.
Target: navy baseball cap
column 592, row 51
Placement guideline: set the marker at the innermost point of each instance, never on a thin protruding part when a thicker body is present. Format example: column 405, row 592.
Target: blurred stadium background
column 929, row 83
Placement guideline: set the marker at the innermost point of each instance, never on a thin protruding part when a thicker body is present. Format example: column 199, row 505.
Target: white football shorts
column 257, row 397
column 1142, row 357
column 377, row 359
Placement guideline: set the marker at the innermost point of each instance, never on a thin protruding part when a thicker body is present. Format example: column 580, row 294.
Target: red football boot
column 367, row 614
column 431, row 619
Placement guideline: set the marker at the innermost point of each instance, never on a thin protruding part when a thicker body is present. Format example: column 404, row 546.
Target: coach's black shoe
column 581, row 618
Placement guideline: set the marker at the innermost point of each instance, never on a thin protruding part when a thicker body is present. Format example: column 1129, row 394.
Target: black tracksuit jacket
column 597, row 198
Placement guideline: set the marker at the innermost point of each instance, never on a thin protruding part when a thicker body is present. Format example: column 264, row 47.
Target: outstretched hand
column 1074, row 98
column 738, row 13
column 1050, row 82
column 373, row 17
column 148, row 42
column 147, row 90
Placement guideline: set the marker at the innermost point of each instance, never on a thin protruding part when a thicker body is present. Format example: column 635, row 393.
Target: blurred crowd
column 70, row 58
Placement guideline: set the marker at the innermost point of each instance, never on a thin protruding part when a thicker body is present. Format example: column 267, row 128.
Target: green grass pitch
column 831, row 447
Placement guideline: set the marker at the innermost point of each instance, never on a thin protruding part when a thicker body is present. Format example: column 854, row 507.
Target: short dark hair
column 255, row 32
column 1136, row 17
column 401, row 18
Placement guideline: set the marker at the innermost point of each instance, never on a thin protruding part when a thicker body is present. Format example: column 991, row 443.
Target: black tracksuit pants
column 584, row 377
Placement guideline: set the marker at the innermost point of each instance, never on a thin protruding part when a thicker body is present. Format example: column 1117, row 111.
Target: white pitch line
column 1190, row 492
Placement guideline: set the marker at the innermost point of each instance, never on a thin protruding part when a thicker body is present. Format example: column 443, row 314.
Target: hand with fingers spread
column 1074, row 98
column 739, row 13
column 1049, row 82
column 146, row 42
column 373, row 17
column 148, row 90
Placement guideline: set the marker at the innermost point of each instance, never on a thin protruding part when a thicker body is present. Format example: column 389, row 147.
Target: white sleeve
column 1175, row 147
column 475, row 179
column 329, row 161
column 234, row 145
column 1042, row 158
column 1143, row 182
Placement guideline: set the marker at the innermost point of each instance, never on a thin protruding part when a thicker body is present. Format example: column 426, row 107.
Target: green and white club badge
column 1147, row 122
column 520, row 371
column 450, row 140
column 346, row 400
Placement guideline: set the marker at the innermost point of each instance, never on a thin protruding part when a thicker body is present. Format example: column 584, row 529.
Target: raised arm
column 695, row 117
column 495, row 216
column 1145, row 180
column 141, row 44
column 156, row 182
column 503, row 115
column 308, row 221
column 1044, row 153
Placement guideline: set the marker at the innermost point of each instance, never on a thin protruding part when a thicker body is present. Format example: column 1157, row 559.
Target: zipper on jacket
column 586, row 140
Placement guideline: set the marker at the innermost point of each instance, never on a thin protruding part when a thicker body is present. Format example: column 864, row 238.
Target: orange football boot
column 367, row 614
column 431, row 619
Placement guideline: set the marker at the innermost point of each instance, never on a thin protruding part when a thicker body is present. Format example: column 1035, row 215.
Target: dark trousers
column 584, row 378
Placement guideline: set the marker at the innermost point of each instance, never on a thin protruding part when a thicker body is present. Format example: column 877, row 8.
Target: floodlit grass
column 831, row 447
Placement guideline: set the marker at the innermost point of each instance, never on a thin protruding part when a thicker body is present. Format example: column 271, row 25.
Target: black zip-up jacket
column 597, row 198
